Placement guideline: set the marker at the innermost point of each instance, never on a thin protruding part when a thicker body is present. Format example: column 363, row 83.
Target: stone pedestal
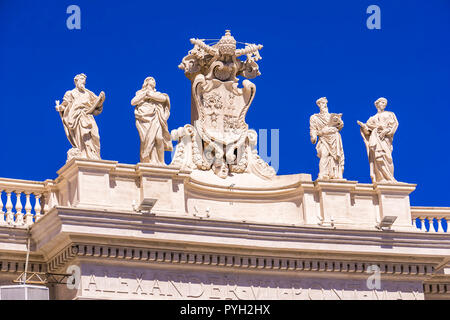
column 85, row 183
column 163, row 184
column 335, row 201
column 394, row 201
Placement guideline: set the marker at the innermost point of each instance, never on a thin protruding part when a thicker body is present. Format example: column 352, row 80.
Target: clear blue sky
column 311, row 49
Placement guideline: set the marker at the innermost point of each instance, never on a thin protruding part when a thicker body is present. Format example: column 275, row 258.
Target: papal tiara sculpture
column 218, row 137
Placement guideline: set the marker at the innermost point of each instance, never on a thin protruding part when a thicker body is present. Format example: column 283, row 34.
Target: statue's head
column 322, row 103
column 381, row 103
column 149, row 82
column 220, row 168
column 80, row 80
column 227, row 44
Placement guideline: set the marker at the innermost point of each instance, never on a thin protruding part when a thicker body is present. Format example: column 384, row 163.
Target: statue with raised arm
column 378, row 133
column 77, row 112
column 152, row 109
column 324, row 129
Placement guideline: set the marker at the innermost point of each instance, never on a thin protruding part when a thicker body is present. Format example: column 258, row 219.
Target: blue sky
column 311, row 49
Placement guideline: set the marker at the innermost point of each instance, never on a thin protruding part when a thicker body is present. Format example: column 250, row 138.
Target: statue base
column 290, row 199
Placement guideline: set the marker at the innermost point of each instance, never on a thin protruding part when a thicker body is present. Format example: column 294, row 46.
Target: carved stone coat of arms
column 219, row 139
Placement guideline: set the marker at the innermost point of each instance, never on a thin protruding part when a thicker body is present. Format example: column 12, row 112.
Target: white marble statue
column 152, row 109
column 324, row 129
column 378, row 133
column 219, row 138
column 77, row 112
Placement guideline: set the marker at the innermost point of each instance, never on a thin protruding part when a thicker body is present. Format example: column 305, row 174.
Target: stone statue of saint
column 151, row 112
column 77, row 112
column 324, row 129
column 378, row 134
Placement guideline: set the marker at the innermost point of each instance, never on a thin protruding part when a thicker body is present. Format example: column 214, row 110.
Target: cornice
column 110, row 254
column 132, row 227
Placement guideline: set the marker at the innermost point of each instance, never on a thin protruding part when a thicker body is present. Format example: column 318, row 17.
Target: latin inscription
column 170, row 285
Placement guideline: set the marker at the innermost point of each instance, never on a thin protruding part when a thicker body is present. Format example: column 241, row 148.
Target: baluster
column 432, row 228
column 2, row 214
column 37, row 207
column 430, row 224
column 440, row 228
column 46, row 198
column 19, row 213
column 422, row 224
column 28, row 207
column 415, row 224
column 8, row 207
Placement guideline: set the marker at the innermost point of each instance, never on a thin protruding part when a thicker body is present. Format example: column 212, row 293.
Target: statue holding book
column 77, row 112
column 324, row 130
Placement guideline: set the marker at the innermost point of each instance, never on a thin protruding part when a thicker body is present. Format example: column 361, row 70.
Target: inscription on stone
column 171, row 285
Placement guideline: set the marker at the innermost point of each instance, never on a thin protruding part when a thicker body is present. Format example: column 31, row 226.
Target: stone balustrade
column 431, row 219
column 21, row 202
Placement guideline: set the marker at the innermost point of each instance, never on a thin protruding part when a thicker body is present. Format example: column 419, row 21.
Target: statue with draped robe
column 378, row 134
column 324, row 129
column 77, row 112
column 152, row 109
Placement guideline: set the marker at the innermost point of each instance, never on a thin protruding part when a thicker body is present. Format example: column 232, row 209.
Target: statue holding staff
column 151, row 112
column 77, row 112
column 378, row 133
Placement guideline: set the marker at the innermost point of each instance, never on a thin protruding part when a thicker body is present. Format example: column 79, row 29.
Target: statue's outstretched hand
column 102, row 96
column 58, row 107
column 363, row 127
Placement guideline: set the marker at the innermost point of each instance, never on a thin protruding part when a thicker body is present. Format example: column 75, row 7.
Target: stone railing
column 21, row 202
column 431, row 219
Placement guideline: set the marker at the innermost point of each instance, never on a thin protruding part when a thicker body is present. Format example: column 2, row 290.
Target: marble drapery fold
column 324, row 129
column 77, row 111
column 378, row 134
column 151, row 112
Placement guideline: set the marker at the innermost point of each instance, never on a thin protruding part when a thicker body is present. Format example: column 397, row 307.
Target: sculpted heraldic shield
column 222, row 108
column 219, row 139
